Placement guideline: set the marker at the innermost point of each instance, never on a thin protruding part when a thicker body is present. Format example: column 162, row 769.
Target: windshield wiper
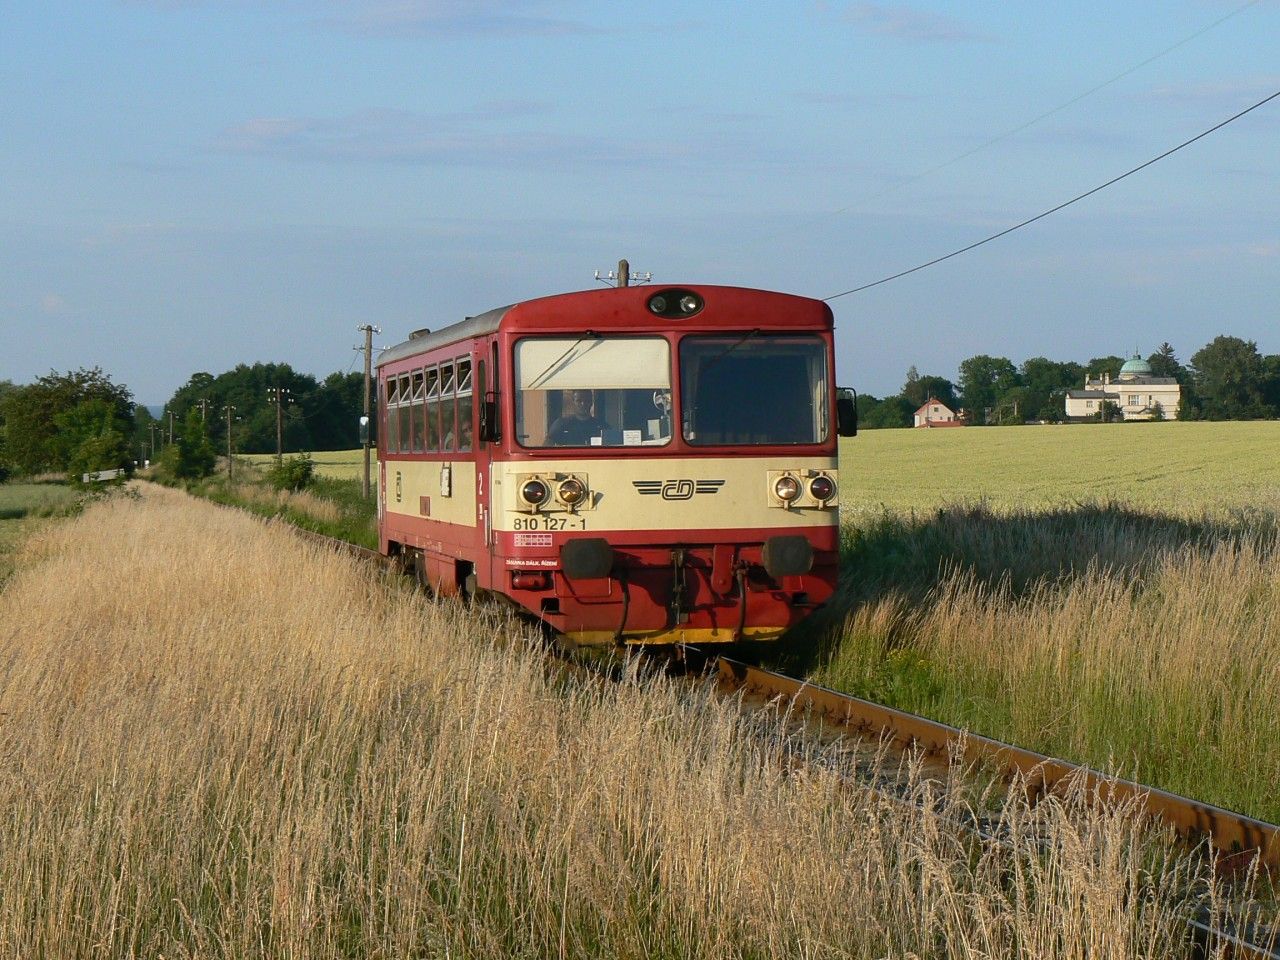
column 727, row 350
column 551, row 367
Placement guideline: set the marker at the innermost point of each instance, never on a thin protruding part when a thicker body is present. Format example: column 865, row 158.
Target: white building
column 1136, row 392
column 935, row 413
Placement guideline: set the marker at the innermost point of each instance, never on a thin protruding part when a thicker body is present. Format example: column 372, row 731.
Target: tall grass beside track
column 1139, row 634
column 220, row 742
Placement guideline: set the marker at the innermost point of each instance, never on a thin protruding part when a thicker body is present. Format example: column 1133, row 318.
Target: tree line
column 82, row 421
column 1227, row 379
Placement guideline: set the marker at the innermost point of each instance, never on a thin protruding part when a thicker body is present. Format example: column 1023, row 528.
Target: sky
column 190, row 184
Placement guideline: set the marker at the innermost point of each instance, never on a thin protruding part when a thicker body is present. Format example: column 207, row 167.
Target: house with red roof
column 935, row 413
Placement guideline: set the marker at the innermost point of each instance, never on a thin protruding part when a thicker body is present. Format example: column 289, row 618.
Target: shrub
column 292, row 473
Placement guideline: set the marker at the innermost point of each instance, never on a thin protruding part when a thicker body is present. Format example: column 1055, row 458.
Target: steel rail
column 1237, row 840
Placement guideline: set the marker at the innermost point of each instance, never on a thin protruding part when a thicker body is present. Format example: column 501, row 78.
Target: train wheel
column 467, row 582
column 420, row 574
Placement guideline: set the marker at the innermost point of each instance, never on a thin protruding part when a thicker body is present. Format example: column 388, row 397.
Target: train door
column 484, row 428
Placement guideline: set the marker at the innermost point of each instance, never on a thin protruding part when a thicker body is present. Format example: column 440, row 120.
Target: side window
column 433, row 409
column 465, row 403
column 448, row 427
column 416, row 401
column 402, row 411
column 393, row 415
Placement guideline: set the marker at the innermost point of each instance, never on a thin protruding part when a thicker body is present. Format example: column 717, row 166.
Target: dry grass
column 1141, row 643
column 301, row 501
column 220, row 742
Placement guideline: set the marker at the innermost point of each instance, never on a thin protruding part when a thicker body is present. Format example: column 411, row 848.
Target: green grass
column 339, row 464
column 18, row 500
column 1105, row 594
column 331, row 505
column 23, row 508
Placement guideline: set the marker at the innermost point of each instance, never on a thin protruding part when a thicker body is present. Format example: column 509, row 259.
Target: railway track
column 1239, row 845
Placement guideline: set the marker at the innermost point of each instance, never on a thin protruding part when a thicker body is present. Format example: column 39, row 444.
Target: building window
column 1135, row 400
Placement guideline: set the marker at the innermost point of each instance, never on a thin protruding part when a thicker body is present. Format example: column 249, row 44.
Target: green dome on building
column 1135, row 367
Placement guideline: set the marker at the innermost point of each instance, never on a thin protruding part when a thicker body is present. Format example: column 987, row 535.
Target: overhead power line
column 1053, row 111
column 1061, row 206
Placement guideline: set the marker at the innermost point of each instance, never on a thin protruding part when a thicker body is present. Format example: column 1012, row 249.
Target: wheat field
column 1172, row 467
column 221, row 742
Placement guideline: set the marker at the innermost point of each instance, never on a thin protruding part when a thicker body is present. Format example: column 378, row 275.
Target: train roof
column 612, row 308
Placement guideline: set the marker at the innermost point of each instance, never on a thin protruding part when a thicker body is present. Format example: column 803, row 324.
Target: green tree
column 912, row 390
column 191, row 455
column 1231, row 380
column 983, row 381
column 246, row 388
column 1045, row 382
column 1016, row 406
column 1271, row 383
column 918, row 389
column 30, row 415
column 87, row 440
column 334, row 410
column 890, row 412
column 1100, row 365
column 1109, row 412
column 142, row 420
column 6, row 387
column 1164, row 363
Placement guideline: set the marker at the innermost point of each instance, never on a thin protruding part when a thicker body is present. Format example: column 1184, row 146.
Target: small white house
column 935, row 413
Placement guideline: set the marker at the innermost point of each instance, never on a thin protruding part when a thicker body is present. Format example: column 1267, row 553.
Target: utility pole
column 369, row 330
column 152, row 426
column 170, row 426
column 279, row 396
column 622, row 276
column 230, row 463
column 204, row 408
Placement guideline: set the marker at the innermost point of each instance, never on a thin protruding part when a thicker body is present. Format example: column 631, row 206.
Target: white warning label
column 533, row 539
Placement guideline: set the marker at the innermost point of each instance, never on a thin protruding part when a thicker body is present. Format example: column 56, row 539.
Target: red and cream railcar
column 632, row 465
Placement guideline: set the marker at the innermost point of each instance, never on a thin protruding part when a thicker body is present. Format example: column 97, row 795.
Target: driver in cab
column 576, row 424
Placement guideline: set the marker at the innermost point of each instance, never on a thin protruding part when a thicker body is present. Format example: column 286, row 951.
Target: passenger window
column 403, row 411
column 416, row 399
column 433, row 408
column 465, row 405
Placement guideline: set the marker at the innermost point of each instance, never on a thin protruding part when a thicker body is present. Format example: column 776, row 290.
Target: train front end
column 671, row 464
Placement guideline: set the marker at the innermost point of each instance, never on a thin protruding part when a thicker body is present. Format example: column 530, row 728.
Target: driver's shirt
column 574, row 431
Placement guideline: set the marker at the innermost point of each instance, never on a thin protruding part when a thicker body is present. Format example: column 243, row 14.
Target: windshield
column 754, row 389
column 593, row 391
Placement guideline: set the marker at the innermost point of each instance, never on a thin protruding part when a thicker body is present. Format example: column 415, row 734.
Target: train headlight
column 534, row 492
column 786, row 489
column 571, row 492
column 675, row 304
column 822, row 488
